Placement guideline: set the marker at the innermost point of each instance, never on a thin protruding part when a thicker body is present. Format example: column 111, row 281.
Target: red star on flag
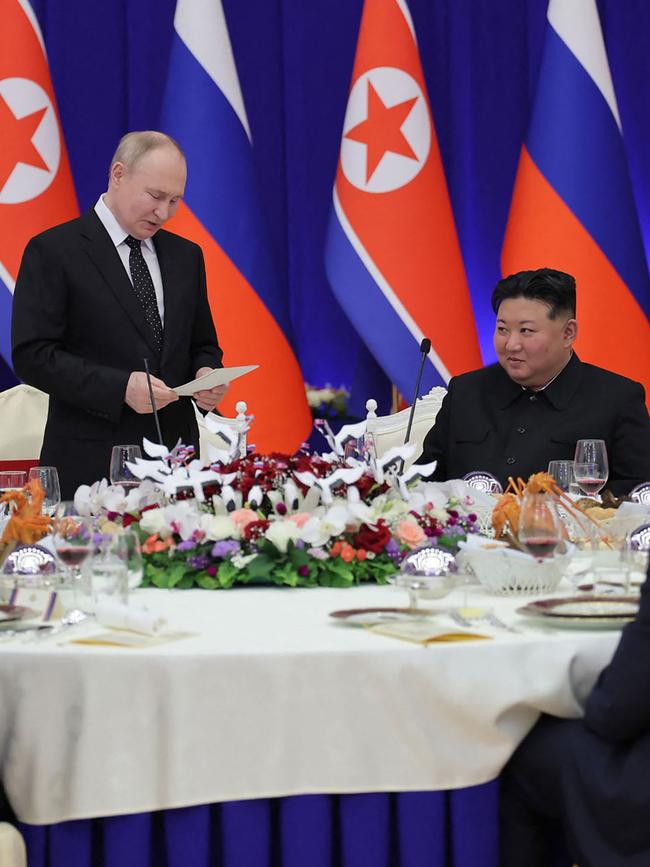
column 381, row 131
column 17, row 144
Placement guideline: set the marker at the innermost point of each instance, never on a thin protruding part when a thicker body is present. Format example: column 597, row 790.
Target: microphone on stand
column 425, row 348
column 153, row 402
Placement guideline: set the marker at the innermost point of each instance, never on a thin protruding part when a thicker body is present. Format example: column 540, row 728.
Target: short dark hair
column 554, row 288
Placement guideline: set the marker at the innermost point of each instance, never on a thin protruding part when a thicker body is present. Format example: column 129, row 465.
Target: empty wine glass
column 540, row 528
column 10, row 480
column 120, row 473
column 49, row 479
column 590, row 466
column 564, row 475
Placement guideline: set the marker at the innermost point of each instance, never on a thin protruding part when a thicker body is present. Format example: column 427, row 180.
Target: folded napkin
column 117, row 615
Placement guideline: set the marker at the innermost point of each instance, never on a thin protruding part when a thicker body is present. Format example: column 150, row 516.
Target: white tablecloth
column 272, row 697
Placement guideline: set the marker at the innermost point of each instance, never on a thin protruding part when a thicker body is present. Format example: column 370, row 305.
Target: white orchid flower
column 218, row 527
column 280, row 533
column 88, row 499
column 155, row 521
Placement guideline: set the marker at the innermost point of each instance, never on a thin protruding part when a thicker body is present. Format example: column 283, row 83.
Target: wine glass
column 10, row 480
column 564, row 475
column 49, row 479
column 540, row 528
column 120, row 474
column 73, row 540
column 590, row 466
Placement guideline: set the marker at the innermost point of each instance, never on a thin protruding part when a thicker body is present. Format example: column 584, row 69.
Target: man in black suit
column 95, row 297
column 587, row 778
column 513, row 417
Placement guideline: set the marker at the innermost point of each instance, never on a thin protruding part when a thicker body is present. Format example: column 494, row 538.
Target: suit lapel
column 171, row 273
column 106, row 259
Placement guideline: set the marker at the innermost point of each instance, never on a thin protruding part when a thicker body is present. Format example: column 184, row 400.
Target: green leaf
column 207, row 582
column 261, row 567
column 227, row 574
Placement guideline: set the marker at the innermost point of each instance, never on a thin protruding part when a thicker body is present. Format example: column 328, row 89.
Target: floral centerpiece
column 306, row 520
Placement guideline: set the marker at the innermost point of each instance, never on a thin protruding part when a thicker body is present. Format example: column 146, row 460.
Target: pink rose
column 299, row 518
column 242, row 518
column 409, row 533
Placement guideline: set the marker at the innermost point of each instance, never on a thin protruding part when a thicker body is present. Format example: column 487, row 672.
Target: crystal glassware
column 540, row 528
column 49, row 479
column 120, row 474
column 591, row 467
column 73, row 541
column 563, row 473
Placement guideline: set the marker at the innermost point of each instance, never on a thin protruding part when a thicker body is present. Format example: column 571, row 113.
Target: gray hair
column 134, row 145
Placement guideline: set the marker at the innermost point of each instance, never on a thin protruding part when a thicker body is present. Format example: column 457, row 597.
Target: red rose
column 372, row 539
column 255, row 529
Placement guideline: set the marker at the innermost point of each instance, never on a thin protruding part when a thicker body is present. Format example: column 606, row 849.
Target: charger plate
column 9, row 613
column 584, row 612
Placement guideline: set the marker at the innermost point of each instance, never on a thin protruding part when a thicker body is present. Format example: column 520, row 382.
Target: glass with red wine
column 73, row 541
column 540, row 527
column 590, row 466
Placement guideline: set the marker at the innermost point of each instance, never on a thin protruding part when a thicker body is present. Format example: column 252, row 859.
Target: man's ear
column 570, row 331
column 118, row 170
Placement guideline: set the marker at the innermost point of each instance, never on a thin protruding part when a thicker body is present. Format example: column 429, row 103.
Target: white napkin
column 120, row 616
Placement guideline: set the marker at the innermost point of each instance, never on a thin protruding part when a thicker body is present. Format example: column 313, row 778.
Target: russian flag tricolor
column 572, row 205
column 36, row 188
column 392, row 253
column 204, row 111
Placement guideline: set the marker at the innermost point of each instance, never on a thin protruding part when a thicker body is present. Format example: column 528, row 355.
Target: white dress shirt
column 118, row 236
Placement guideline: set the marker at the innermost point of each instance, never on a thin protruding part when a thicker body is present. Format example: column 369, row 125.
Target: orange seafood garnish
column 26, row 525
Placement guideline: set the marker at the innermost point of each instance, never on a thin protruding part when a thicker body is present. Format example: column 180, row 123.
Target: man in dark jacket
column 96, row 296
column 513, row 417
column 588, row 778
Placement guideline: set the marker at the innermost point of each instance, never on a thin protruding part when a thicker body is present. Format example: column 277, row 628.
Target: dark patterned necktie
column 144, row 288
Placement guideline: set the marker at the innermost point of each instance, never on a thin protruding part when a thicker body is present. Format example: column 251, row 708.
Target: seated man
column 589, row 778
column 513, row 417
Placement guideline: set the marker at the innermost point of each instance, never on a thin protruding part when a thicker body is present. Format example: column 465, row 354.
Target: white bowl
column 508, row 572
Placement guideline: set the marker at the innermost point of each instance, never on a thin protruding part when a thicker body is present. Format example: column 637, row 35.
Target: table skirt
column 412, row 829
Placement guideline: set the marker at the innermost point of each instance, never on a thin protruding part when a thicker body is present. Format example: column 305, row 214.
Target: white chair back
column 389, row 430
column 12, row 846
column 23, row 413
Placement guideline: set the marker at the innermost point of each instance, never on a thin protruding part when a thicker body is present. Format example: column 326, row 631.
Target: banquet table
column 264, row 700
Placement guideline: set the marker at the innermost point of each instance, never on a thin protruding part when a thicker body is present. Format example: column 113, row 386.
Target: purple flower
column 198, row 562
column 188, row 545
column 225, row 548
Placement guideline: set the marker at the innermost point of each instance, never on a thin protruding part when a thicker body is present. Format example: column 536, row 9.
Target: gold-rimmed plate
column 584, row 612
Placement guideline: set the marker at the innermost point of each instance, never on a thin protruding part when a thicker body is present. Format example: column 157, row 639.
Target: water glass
column 49, row 479
column 120, row 474
column 108, row 573
column 591, row 467
column 562, row 472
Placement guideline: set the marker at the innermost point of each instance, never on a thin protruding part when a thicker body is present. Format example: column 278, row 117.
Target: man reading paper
column 96, row 296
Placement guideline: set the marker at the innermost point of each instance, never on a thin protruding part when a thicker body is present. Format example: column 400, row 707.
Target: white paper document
column 220, row 376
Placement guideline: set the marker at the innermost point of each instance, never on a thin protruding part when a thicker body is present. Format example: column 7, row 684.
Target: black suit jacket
column 78, row 331
column 488, row 422
column 605, row 775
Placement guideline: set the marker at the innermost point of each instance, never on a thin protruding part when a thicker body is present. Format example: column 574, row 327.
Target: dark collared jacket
column 488, row 422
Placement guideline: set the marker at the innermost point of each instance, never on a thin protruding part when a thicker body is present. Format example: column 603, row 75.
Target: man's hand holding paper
column 208, row 398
